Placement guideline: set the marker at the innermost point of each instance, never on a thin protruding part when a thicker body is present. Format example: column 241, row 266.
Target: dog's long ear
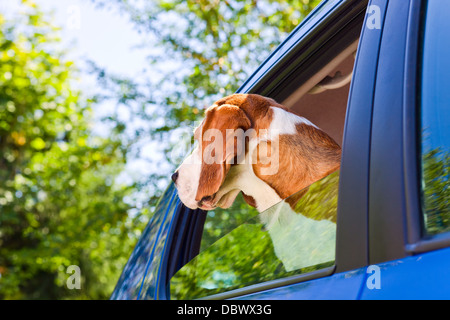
column 221, row 142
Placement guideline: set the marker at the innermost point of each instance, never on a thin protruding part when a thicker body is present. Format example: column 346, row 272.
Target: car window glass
column 285, row 240
column 435, row 118
column 221, row 221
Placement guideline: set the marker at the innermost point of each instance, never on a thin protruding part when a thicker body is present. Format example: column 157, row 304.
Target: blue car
column 374, row 75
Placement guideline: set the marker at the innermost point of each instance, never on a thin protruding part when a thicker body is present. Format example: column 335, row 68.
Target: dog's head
column 235, row 132
column 222, row 138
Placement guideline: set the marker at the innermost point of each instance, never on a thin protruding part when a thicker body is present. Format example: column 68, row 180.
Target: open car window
column 283, row 241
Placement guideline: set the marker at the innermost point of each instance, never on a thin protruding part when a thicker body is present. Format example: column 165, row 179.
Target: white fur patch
column 284, row 122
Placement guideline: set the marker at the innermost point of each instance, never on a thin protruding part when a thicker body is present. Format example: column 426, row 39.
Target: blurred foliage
column 59, row 202
column 277, row 243
column 436, row 190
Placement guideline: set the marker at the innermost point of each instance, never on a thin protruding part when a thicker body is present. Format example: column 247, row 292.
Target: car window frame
column 395, row 212
column 387, row 202
column 417, row 240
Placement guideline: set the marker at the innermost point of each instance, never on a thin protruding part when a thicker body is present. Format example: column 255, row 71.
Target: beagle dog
column 251, row 144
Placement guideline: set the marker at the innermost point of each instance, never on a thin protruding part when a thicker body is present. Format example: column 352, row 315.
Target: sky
column 100, row 34
column 94, row 33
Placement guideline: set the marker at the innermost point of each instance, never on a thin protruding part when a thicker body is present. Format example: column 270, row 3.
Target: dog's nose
column 175, row 176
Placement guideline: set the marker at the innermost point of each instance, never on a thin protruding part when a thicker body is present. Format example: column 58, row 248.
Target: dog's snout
column 175, row 176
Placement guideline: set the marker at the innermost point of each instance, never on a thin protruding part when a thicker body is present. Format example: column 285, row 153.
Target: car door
column 344, row 278
column 409, row 187
column 173, row 236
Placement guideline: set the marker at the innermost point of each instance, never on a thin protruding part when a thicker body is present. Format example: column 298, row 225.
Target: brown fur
column 249, row 200
column 256, row 107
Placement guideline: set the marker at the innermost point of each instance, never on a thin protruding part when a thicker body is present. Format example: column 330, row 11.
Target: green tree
column 60, row 204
